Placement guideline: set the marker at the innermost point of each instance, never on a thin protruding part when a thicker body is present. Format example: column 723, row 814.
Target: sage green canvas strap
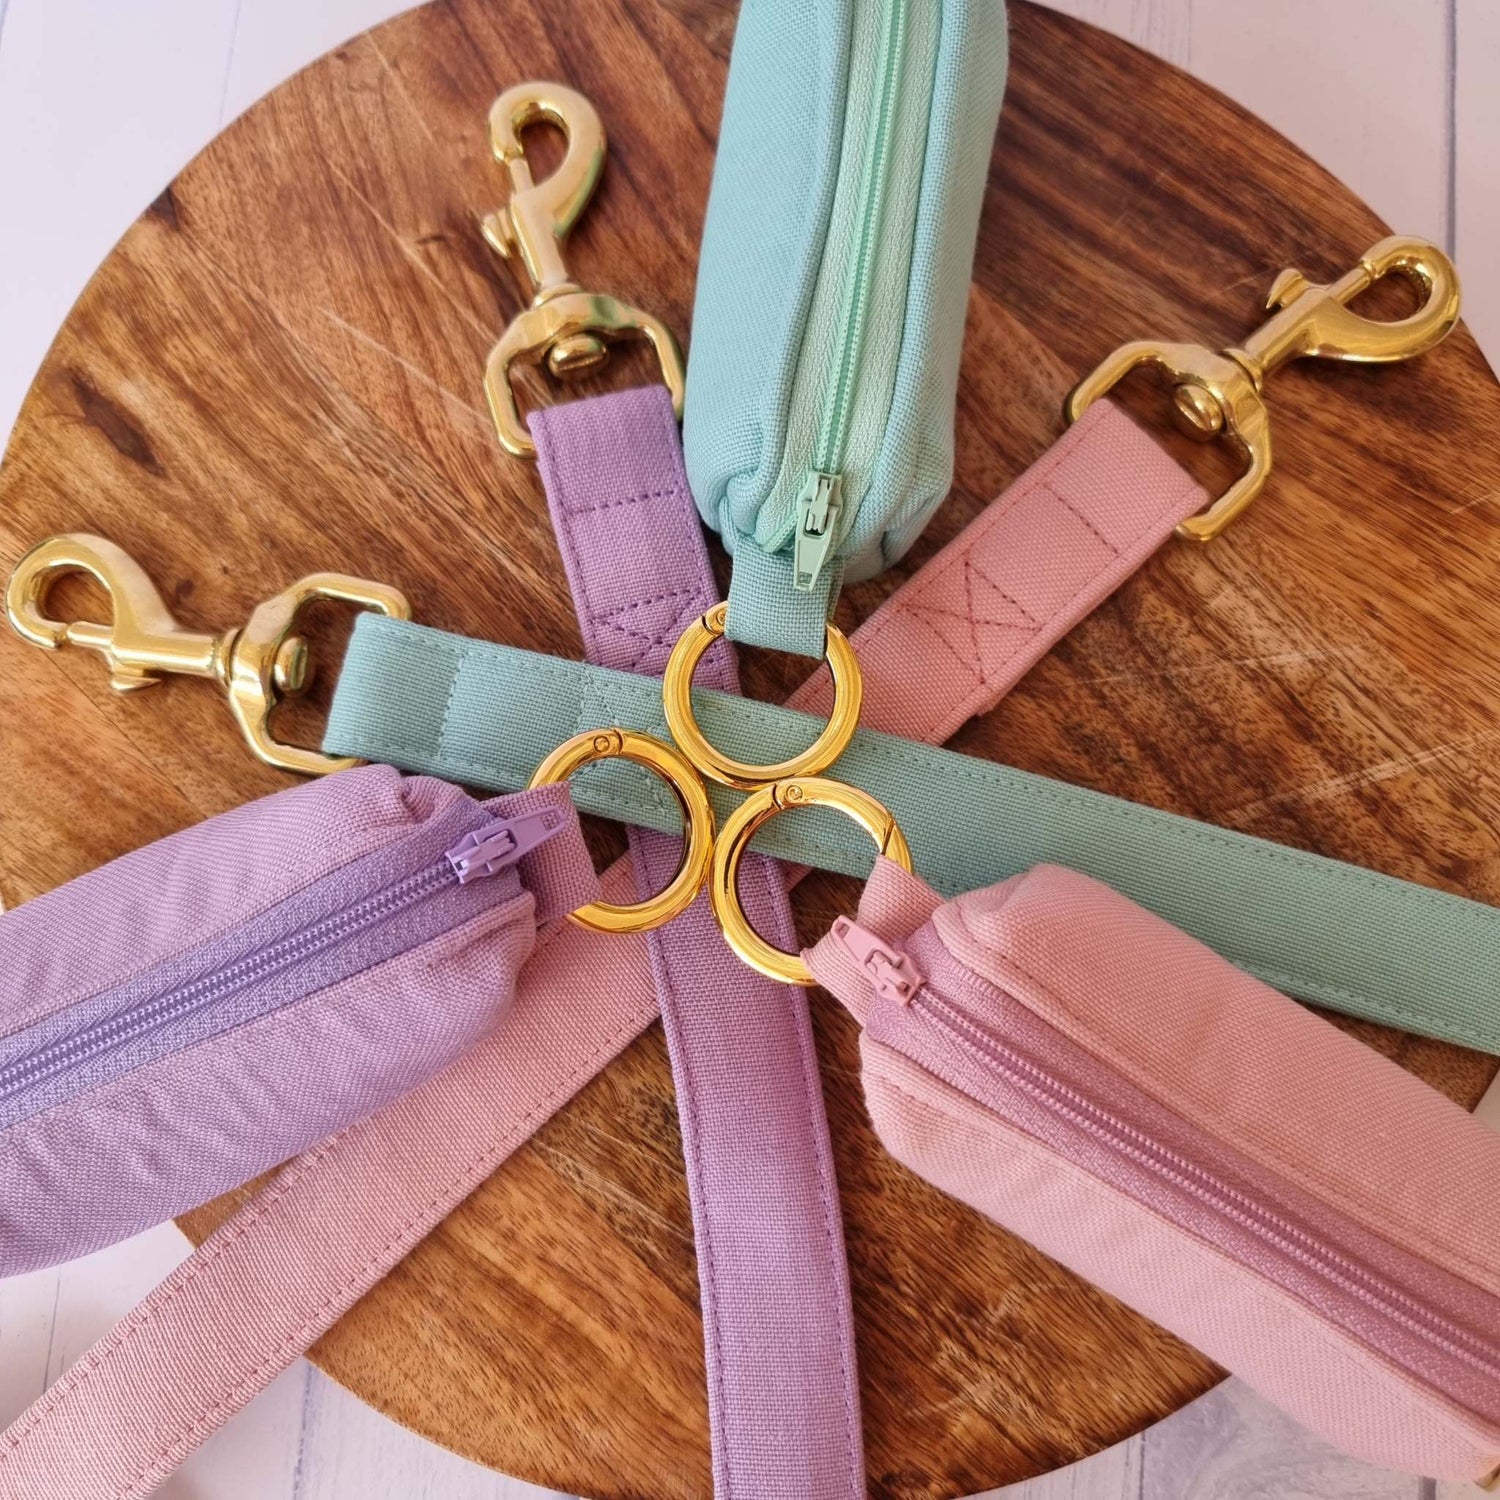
column 1330, row 933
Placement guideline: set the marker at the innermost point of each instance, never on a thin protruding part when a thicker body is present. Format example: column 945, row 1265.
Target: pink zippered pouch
column 200, row 1010
column 1301, row 1209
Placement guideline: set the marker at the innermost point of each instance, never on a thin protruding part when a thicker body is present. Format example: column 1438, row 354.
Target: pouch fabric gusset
column 195, row 1012
column 1221, row 1159
column 832, row 288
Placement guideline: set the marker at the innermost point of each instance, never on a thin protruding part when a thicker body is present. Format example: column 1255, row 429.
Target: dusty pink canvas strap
column 258, row 1292
column 778, row 1326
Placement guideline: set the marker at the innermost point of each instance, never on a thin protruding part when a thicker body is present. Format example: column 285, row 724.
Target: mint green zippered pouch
column 832, row 288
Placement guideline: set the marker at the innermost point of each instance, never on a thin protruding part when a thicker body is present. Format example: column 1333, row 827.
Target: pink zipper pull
column 492, row 848
column 890, row 971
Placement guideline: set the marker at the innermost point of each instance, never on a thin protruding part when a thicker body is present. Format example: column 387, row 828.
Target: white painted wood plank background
column 101, row 101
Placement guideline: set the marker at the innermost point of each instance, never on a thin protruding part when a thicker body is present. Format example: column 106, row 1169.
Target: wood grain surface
column 278, row 370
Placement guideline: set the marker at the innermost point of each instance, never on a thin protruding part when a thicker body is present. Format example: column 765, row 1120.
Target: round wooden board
column 278, row 370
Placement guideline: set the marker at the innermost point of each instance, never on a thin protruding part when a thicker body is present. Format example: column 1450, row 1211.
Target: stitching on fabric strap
column 783, row 1406
column 1328, row 932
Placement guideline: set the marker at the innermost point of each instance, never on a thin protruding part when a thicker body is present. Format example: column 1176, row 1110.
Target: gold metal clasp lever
column 257, row 664
column 567, row 327
column 1218, row 395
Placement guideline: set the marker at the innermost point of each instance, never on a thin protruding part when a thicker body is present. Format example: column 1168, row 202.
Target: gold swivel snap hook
column 257, row 664
column 697, row 816
column 568, row 328
column 677, row 701
column 747, row 820
column 1218, row 395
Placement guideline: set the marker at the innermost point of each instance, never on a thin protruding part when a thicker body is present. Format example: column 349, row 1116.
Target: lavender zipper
column 478, row 854
column 1117, row 1135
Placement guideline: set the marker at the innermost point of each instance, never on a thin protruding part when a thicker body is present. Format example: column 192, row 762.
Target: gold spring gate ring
column 747, row 820
column 697, row 817
column 677, row 700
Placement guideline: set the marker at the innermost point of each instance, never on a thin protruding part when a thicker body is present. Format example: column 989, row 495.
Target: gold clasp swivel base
column 1218, row 395
column 568, row 328
column 257, row 664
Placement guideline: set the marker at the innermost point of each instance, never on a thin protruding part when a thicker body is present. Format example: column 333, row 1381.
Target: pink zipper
column 893, row 974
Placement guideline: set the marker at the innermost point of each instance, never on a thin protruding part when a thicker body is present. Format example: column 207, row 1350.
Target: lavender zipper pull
column 500, row 844
column 891, row 972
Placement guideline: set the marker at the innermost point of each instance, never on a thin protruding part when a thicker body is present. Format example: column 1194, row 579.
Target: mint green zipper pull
column 818, row 509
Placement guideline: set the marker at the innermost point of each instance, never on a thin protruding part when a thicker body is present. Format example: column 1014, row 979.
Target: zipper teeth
column 1202, row 1185
column 834, row 427
column 84, row 1046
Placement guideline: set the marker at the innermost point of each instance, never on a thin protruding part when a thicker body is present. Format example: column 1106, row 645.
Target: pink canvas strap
column 778, row 1325
column 255, row 1294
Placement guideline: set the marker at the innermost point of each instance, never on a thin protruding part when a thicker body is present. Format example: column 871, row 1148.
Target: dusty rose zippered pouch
column 200, row 1010
column 1298, row 1207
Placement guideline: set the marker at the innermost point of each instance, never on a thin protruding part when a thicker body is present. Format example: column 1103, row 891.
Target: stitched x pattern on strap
column 1038, row 560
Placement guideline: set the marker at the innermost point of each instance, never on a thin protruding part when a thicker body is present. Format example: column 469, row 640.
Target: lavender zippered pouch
column 1211, row 1153
column 200, row 1010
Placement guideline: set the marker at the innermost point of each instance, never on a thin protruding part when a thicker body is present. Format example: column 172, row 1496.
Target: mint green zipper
column 820, row 502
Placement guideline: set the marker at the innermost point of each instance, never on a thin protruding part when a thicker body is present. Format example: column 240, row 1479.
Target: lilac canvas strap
column 783, row 1400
